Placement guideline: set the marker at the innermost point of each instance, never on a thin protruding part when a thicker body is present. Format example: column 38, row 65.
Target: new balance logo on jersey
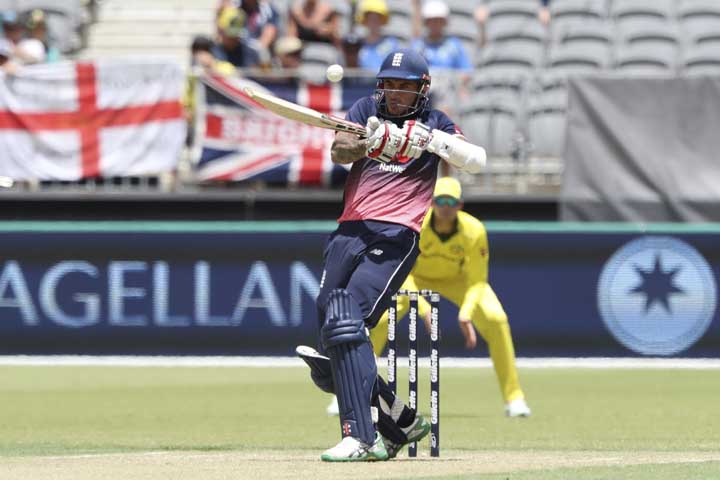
column 386, row 167
column 376, row 251
column 397, row 59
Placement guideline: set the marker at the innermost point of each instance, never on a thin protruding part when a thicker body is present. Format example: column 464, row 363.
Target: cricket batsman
column 453, row 261
column 367, row 258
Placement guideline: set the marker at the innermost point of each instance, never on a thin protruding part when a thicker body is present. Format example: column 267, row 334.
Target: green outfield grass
column 615, row 418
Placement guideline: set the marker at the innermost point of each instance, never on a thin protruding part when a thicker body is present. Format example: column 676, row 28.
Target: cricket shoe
column 517, row 408
column 415, row 432
column 351, row 449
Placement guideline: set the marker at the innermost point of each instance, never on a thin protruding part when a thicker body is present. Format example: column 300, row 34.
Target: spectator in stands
column 352, row 45
column 441, row 51
column 288, row 52
column 202, row 61
column 35, row 48
column 201, row 52
column 373, row 15
column 12, row 28
column 232, row 46
column 262, row 20
column 314, row 21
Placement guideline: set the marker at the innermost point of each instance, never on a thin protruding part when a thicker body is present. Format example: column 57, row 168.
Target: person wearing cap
column 288, row 52
column 232, row 46
column 262, row 19
column 366, row 259
column 373, row 15
column 441, row 51
column 453, row 261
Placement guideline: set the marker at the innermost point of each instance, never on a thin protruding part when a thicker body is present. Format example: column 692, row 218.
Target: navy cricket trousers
column 369, row 259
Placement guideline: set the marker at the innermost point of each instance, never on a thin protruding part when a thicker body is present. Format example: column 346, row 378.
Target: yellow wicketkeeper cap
column 448, row 187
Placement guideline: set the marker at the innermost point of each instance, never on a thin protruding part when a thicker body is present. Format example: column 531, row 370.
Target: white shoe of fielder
column 517, row 408
column 333, row 409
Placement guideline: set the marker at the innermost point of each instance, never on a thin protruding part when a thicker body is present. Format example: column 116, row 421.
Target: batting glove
column 384, row 139
column 417, row 137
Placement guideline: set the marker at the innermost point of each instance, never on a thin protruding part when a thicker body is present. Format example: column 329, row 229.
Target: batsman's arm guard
column 457, row 152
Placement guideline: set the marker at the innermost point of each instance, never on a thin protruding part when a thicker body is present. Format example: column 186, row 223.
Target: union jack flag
column 243, row 141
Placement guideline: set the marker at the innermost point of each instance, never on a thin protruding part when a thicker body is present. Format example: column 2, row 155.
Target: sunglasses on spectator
column 446, row 202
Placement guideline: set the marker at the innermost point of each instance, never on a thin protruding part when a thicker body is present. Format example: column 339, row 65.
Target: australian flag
column 241, row 141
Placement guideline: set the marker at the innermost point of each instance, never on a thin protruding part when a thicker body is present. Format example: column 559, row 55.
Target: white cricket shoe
column 351, row 449
column 517, row 408
column 333, row 409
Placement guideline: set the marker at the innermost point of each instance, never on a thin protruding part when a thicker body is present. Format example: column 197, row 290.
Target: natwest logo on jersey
column 389, row 167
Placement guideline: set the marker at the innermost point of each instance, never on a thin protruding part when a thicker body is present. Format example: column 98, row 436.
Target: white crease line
column 272, row 362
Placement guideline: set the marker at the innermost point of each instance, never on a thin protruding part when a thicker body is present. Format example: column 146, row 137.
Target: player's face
column 400, row 95
column 446, row 208
column 436, row 26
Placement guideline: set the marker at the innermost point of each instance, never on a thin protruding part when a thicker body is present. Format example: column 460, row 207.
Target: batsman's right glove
column 383, row 139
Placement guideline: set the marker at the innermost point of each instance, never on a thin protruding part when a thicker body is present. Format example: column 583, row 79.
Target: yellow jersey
column 461, row 258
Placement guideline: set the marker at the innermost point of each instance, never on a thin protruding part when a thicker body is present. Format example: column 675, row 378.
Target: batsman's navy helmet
column 403, row 64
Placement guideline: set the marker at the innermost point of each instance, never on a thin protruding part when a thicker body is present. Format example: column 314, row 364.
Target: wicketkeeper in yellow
column 453, row 261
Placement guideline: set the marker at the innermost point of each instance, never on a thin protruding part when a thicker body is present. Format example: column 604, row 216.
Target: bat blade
column 308, row 116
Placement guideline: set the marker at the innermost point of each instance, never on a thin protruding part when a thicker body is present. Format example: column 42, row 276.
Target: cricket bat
column 308, row 116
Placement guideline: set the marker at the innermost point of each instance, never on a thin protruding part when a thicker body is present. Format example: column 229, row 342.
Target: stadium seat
column 530, row 31
column 510, row 14
column 600, row 32
column 701, row 60
column 510, row 61
column 490, row 2
column 570, row 14
column 595, row 38
column 530, row 41
column 644, row 60
column 574, row 59
column 318, row 53
column 546, row 124
column 400, row 8
column 709, row 38
column 699, row 16
column 493, row 124
column 462, row 8
column 633, row 14
column 465, row 28
column 551, row 85
column 472, row 49
column 399, row 26
column 662, row 41
column 502, row 88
